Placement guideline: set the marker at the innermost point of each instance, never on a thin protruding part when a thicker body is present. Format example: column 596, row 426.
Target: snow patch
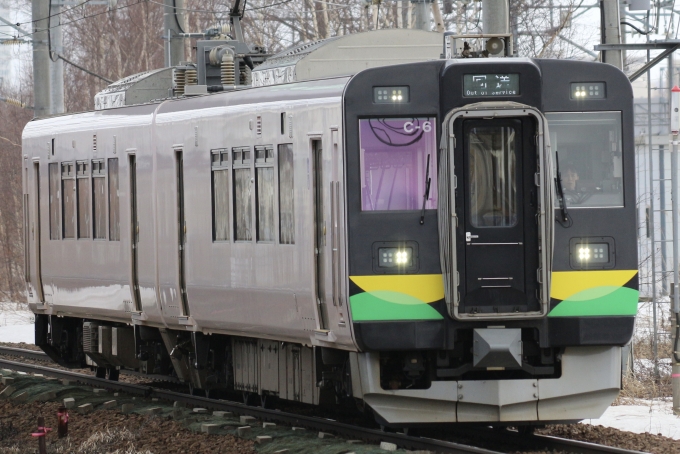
column 654, row 417
column 16, row 323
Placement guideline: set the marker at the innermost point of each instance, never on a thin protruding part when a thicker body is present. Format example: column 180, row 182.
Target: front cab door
column 496, row 205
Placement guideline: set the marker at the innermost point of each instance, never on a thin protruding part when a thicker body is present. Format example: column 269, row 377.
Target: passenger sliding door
column 134, row 235
column 181, row 232
column 32, row 229
column 319, row 234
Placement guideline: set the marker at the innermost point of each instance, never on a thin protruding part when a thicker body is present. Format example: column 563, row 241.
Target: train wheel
column 100, row 372
column 410, row 431
column 525, row 430
column 250, row 398
column 113, row 374
column 268, row 401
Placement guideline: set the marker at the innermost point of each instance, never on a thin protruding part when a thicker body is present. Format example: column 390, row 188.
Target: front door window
column 493, row 177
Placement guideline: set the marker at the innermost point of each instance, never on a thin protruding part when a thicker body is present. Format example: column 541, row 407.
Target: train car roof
column 134, row 115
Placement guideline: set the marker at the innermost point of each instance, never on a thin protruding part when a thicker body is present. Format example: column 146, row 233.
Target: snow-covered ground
column 655, row 417
column 16, row 323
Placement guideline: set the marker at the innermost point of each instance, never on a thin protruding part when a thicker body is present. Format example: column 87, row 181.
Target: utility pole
column 422, row 14
column 675, row 353
column 495, row 16
column 173, row 25
column 610, row 30
column 41, row 58
column 56, row 67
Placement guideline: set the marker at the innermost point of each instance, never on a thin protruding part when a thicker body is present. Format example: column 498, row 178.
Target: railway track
column 514, row 441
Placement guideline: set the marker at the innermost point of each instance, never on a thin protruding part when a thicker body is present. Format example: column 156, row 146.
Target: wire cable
column 174, row 9
column 19, row 24
column 85, row 69
column 623, row 22
column 269, row 6
column 94, row 15
column 49, row 35
column 192, row 10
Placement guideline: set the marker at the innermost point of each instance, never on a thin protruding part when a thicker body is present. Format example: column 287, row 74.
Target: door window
column 492, row 176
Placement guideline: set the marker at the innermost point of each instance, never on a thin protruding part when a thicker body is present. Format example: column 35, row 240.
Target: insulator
column 246, row 75
column 191, row 76
column 179, row 80
column 228, row 70
column 13, row 102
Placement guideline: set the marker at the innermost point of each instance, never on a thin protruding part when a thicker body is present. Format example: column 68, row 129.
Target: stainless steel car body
column 250, row 288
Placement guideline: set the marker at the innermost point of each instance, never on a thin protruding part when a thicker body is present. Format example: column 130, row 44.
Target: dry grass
column 109, row 441
column 643, row 382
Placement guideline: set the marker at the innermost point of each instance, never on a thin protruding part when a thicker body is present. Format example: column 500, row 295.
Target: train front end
column 492, row 254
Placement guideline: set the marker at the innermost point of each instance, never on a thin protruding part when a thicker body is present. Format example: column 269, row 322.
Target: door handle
column 469, row 236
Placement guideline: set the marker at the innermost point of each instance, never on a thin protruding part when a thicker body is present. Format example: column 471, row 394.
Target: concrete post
column 675, row 361
column 56, row 67
column 675, row 129
column 495, row 16
column 611, row 31
column 174, row 45
column 41, row 58
column 422, row 14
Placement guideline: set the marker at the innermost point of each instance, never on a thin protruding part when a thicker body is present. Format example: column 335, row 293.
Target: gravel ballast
column 171, row 429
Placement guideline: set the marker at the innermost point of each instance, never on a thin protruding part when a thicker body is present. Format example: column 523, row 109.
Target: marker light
column 389, row 257
column 389, row 95
column 588, row 90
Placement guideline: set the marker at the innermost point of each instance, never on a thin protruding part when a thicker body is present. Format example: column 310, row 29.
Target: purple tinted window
column 395, row 156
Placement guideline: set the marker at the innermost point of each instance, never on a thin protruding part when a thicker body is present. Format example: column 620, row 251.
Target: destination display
column 489, row 85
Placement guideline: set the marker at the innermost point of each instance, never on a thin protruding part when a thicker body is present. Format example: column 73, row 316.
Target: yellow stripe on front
column 564, row 284
column 426, row 287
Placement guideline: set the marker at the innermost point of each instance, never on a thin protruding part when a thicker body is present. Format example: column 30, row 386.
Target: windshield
column 589, row 149
column 394, row 163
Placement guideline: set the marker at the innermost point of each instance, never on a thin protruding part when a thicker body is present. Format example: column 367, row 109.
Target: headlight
column 592, row 253
column 389, row 257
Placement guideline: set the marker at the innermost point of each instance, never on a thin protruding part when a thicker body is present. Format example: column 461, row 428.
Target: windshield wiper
column 428, row 180
column 564, row 219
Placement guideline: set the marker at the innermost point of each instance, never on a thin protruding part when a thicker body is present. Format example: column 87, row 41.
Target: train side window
column 589, row 148
column 68, row 204
column 220, row 194
column 99, row 200
column 286, row 199
column 264, row 192
column 243, row 205
column 83, row 198
column 396, row 157
column 55, row 200
column 114, row 203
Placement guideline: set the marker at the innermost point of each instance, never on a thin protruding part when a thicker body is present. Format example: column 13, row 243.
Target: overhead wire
column 174, row 9
column 93, row 15
column 49, row 35
column 19, row 24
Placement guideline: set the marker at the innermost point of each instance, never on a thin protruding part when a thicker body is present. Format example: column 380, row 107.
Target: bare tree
column 11, row 212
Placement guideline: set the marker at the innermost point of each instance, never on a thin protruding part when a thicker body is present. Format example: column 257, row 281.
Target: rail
column 519, row 442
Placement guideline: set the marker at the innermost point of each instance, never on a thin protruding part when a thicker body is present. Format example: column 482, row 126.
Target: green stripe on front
column 386, row 305
column 598, row 301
